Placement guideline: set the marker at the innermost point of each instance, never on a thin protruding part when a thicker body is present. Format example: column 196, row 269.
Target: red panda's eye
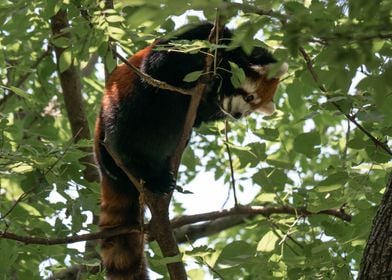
column 249, row 98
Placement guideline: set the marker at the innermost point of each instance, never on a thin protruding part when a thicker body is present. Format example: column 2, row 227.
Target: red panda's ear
column 266, row 69
column 267, row 109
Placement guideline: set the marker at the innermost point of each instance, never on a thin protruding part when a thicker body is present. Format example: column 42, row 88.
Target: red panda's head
column 255, row 94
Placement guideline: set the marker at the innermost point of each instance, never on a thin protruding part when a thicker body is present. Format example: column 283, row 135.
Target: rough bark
column 377, row 258
column 70, row 81
column 73, row 99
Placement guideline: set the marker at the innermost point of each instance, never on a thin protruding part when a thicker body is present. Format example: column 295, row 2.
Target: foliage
column 308, row 154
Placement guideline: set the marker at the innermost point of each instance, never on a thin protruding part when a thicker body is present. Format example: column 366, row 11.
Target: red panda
column 142, row 125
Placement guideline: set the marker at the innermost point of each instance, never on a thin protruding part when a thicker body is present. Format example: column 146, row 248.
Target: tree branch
column 184, row 224
column 69, row 239
column 24, row 77
column 159, row 206
column 351, row 118
column 252, row 211
column 70, row 81
column 73, row 99
column 40, row 180
column 230, row 164
column 376, row 260
column 147, row 78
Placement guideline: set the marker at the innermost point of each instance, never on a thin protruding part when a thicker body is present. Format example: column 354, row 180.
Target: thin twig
column 345, row 149
column 202, row 260
column 275, row 229
column 26, row 193
column 24, row 77
column 231, row 164
column 147, row 78
column 351, row 118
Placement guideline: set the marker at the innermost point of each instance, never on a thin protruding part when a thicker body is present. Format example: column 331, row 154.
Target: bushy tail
column 122, row 256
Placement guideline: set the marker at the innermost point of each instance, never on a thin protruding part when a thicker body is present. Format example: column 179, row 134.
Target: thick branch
column 377, row 257
column 252, row 211
column 193, row 232
column 194, row 104
column 69, row 239
column 72, row 92
column 70, row 81
column 226, row 218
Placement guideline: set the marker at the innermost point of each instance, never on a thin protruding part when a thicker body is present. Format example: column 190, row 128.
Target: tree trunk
column 377, row 258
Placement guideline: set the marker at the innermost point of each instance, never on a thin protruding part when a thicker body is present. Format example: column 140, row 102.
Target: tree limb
column 217, row 219
column 253, row 211
column 147, row 78
column 73, row 99
column 159, row 206
column 376, row 260
column 70, row 81
column 68, row 239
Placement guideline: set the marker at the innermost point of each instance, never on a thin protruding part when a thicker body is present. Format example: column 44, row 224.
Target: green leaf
column 270, row 179
column 65, row 60
column 9, row 254
column 166, row 260
column 357, row 143
column 305, row 143
column 324, row 204
column 61, row 42
column 114, row 18
column 235, row 253
column 266, row 197
column 327, row 188
column 237, row 75
column 270, row 134
column 193, row 76
column 280, row 163
column 110, row 62
column 20, row 92
column 268, row 242
column 335, row 178
column 115, row 32
column 200, row 251
column 189, row 159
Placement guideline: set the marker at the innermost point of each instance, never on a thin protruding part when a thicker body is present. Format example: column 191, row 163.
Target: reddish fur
column 266, row 89
column 122, row 256
column 121, row 80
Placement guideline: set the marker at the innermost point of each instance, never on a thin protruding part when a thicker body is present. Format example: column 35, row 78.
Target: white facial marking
column 264, row 69
column 236, row 106
column 256, row 100
column 249, row 86
column 259, row 69
column 226, row 104
column 282, row 70
column 267, row 109
column 239, row 105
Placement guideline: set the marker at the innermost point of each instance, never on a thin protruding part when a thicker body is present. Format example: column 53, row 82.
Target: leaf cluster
column 308, row 154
